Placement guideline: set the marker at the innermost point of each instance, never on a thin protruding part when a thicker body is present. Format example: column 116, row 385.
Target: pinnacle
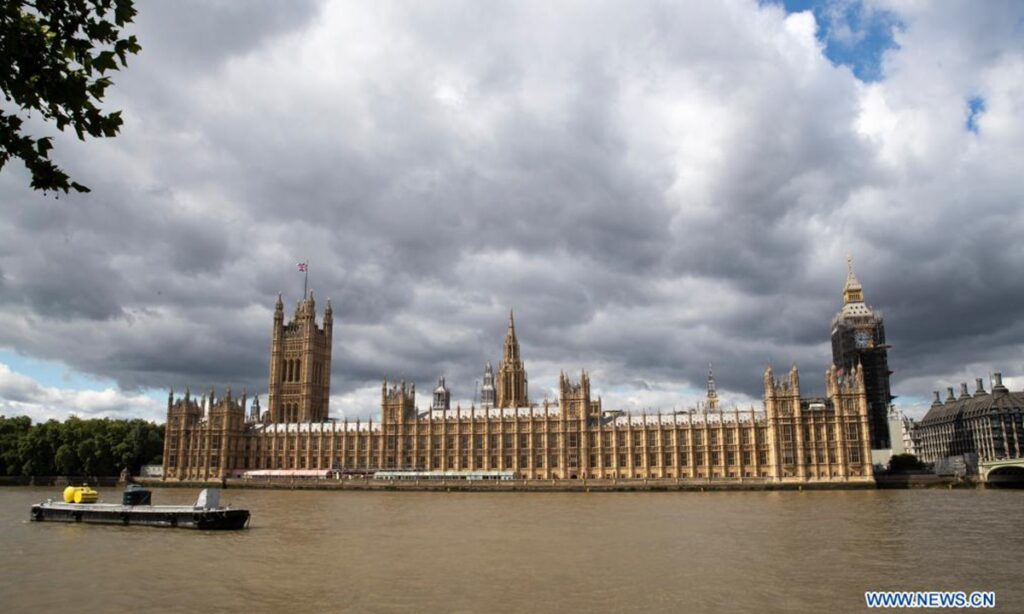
column 851, row 278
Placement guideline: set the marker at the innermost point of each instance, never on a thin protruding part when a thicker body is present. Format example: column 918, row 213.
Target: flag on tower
column 304, row 269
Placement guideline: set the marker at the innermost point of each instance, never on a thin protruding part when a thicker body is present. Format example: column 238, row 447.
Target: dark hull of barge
column 144, row 515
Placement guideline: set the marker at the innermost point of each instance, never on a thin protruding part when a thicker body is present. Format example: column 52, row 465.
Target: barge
column 80, row 505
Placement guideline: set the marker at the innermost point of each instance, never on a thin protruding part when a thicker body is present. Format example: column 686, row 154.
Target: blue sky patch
column 853, row 35
column 975, row 107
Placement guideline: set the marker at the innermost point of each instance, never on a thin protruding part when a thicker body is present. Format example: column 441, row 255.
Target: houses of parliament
column 792, row 438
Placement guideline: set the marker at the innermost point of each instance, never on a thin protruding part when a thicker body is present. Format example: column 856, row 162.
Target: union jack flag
column 302, row 267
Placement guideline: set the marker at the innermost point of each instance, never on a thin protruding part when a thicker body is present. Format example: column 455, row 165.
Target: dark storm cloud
column 651, row 188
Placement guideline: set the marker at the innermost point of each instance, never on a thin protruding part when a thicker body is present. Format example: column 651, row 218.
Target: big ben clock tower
column 858, row 336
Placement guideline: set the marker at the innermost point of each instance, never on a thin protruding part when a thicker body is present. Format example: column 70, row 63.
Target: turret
column 442, row 396
column 831, row 381
column 398, row 403
column 574, row 398
column 712, row 394
column 487, row 389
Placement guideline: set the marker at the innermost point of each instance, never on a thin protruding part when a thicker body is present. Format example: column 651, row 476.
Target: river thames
column 515, row 552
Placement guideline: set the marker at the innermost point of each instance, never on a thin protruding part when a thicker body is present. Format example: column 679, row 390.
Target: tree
column 904, row 463
column 66, row 460
column 77, row 447
column 56, row 54
column 12, row 431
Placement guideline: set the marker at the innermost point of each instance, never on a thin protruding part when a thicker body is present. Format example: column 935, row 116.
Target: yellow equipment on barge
column 80, row 494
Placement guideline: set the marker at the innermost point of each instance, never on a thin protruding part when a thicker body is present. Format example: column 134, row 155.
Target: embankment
column 621, row 485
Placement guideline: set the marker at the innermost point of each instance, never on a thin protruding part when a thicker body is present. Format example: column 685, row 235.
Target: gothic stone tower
column 300, row 364
column 577, row 413
column 858, row 338
column 511, row 373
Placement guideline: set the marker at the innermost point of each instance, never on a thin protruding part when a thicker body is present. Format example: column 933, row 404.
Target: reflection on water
column 516, row 552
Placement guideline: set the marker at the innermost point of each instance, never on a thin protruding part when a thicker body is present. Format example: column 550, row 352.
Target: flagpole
column 305, row 280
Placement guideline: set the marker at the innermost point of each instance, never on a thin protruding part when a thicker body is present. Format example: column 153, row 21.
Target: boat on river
column 81, row 504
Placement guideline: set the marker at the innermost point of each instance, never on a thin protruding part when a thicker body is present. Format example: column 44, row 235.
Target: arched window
column 298, row 370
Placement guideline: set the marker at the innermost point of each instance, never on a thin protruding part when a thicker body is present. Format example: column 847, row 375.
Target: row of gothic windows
column 292, row 371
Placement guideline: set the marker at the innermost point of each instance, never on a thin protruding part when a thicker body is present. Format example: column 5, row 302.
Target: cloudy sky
column 652, row 186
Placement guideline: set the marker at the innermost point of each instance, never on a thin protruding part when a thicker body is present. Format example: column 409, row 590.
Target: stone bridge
column 1004, row 470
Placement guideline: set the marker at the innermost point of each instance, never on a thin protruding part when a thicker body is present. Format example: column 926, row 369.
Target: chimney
column 963, row 391
column 997, row 386
column 950, row 397
column 937, row 400
column 981, row 386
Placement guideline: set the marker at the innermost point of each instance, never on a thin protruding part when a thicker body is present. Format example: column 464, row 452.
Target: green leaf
column 52, row 49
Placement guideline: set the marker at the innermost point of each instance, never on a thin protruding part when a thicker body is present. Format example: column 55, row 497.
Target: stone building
column 794, row 438
column 986, row 424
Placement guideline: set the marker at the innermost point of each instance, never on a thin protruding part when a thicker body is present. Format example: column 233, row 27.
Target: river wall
column 589, row 485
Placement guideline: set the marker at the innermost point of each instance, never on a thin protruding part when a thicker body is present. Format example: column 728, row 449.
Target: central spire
column 511, row 388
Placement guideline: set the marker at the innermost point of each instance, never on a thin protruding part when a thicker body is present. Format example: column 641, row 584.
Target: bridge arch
column 1004, row 473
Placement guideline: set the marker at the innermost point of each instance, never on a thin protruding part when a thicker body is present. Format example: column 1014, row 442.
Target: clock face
column 862, row 339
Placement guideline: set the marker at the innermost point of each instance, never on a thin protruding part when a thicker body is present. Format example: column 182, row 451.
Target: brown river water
column 522, row 552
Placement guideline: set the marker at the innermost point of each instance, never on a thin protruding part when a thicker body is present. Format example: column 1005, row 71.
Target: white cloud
column 652, row 187
column 21, row 395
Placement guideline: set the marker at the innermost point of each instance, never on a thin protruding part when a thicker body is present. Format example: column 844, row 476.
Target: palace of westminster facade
column 792, row 438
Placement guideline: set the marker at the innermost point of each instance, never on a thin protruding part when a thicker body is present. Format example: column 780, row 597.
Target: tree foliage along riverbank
column 77, row 447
